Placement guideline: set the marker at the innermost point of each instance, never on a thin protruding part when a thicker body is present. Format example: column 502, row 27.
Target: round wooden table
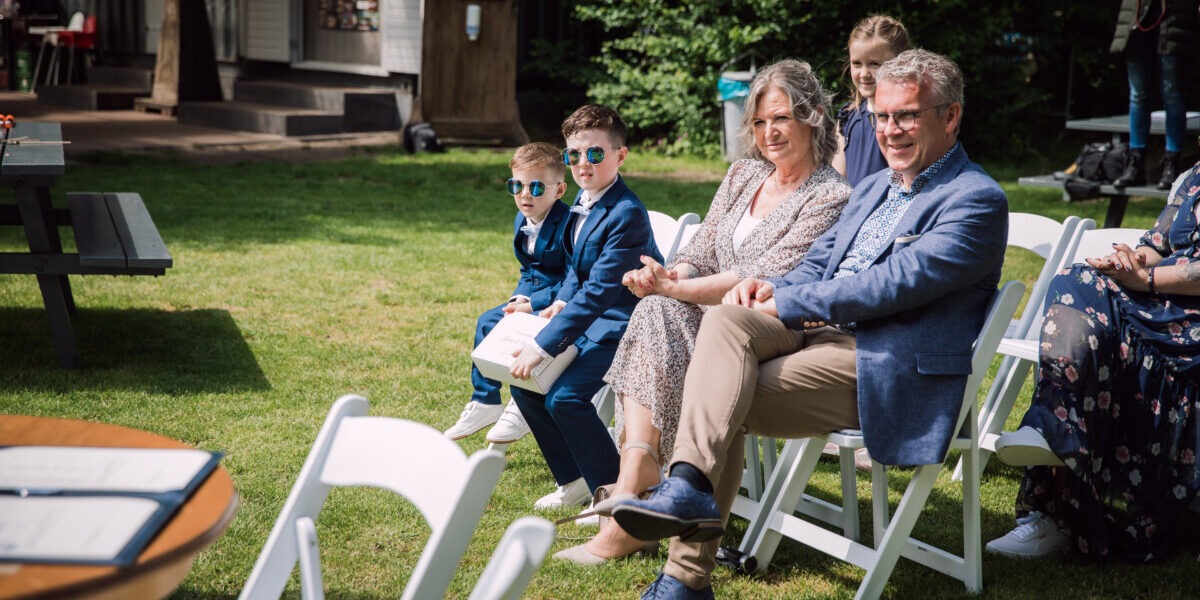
column 164, row 563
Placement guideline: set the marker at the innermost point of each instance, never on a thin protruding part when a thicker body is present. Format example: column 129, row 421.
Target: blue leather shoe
column 669, row 588
column 674, row 509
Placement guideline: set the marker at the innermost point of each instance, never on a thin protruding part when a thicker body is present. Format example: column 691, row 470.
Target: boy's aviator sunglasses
column 594, row 155
column 536, row 188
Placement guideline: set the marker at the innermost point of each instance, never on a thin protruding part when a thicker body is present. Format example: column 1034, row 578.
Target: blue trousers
column 570, row 434
column 487, row 391
column 1147, row 68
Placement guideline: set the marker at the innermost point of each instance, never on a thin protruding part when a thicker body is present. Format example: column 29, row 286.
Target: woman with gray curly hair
column 767, row 212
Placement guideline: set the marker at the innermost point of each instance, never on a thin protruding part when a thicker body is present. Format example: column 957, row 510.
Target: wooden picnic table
column 114, row 234
column 1118, row 198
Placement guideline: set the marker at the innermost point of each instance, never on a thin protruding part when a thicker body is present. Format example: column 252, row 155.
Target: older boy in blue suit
column 536, row 186
column 607, row 234
column 906, row 275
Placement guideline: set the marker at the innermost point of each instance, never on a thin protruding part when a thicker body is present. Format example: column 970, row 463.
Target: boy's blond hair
column 595, row 116
column 538, row 155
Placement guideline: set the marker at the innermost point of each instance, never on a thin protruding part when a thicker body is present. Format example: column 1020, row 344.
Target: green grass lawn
column 295, row 283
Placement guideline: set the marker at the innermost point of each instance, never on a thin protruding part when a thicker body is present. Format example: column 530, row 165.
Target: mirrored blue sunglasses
column 594, row 155
column 536, row 188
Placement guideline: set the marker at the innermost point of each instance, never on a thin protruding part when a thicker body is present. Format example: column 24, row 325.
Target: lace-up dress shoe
column 675, row 508
column 669, row 588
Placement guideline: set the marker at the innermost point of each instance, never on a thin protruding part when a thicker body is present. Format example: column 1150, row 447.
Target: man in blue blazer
column 905, row 277
column 606, row 236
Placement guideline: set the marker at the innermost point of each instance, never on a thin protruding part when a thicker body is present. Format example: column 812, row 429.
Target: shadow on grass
column 136, row 349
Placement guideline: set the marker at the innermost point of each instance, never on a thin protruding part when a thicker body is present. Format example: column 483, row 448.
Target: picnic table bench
column 1118, row 198
column 114, row 233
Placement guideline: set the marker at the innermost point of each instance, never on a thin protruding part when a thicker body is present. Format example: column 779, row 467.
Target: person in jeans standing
column 1156, row 36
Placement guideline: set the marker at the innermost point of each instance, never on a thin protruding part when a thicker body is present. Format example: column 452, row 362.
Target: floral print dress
column 1115, row 397
column 657, row 346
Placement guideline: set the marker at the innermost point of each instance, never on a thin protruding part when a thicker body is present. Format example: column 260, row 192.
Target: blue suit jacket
column 613, row 239
column 542, row 273
column 918, row 307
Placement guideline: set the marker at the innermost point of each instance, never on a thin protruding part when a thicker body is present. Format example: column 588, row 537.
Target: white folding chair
column 1055, row 243
column 669, row 230
column 516, row 559
column 411, row 459
column 785, row 489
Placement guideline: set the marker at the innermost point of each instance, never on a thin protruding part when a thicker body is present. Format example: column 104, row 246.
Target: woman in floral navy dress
column 1114, row 406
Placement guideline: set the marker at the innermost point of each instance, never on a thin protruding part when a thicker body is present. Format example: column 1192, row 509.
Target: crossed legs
column 750, row 373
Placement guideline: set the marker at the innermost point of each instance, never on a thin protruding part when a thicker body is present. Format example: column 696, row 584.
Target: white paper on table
column 46, row 469
column 73, row 528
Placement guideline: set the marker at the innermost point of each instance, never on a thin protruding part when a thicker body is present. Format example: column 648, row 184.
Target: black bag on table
column 1098, row 163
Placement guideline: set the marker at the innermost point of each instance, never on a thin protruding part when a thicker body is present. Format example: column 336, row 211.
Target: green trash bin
column 24, row 70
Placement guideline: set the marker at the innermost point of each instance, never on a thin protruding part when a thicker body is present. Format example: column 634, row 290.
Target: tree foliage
column 1023, row 61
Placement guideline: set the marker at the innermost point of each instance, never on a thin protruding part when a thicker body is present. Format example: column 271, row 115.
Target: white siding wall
column 269, row 30
column 401, row 28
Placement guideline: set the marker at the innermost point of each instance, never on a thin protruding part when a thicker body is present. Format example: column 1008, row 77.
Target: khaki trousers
column 751, row 374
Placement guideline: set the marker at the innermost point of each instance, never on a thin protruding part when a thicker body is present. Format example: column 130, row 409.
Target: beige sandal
column 603, row 500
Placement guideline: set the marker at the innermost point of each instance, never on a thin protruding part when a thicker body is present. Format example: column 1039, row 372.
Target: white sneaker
column 572, row 494
column 1026, row 447
column 1035, row 535
column 510, row 427
column 592, row 520
column 475, row 416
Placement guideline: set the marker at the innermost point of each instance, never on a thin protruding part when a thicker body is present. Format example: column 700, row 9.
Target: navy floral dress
column 1115, row 397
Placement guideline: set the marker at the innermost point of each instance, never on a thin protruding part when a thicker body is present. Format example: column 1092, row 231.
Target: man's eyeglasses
column 594, row 155
column 536, row 188
column 904, row 119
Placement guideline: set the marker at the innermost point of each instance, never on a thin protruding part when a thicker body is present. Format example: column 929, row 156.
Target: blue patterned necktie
column 581, row 210
column 531, row 230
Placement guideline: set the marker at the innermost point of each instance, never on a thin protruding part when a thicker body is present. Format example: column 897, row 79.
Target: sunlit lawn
column 296, row 283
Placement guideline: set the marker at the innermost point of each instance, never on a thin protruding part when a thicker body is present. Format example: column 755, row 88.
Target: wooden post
column 186, row 66
column 469, row 88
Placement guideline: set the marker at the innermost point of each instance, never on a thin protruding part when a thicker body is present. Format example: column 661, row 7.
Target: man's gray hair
column 930, row 70
column 795, row 78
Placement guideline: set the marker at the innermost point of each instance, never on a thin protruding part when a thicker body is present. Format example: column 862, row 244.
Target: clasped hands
column 653, row 278
column 1126, row 266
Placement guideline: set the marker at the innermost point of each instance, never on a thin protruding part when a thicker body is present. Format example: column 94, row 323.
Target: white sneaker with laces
column 575, row 493
column 1035, row 535
column 510, row 427
column 1026, row 447
column 475, row 416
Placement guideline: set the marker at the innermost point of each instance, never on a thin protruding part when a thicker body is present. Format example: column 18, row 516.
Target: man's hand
column 749, row 291
column 527, row 357
column 551, row 310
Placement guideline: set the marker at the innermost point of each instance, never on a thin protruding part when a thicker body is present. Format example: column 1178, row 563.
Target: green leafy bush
column 659, row 60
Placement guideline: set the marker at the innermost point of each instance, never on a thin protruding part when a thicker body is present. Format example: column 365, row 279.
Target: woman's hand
column 1126, row 266
column 550, row 311
column 527, row 358
column 651, row 279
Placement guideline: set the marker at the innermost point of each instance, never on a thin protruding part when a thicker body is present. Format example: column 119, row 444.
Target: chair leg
column 972, row 574
column 896, row 536
column 850, row 524
column 783, row 492
column 879, row 500
column 309, row 554
column 37, row 68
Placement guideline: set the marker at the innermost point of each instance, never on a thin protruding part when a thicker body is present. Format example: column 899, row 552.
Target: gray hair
column 811, row 105
column 927, row 69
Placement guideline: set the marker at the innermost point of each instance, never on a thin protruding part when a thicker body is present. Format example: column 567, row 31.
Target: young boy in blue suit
column 536, row 186
column 607, row 234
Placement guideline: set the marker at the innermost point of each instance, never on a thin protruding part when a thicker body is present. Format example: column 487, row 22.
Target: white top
column 744, row 227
